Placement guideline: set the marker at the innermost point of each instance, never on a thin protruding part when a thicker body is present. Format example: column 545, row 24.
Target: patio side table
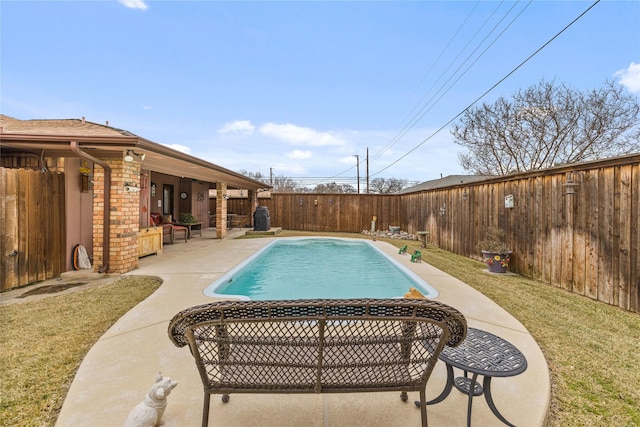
column 481, row 353
column 423, row 236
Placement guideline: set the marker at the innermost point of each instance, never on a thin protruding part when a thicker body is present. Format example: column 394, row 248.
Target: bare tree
column 282, row 184
column 334, row 187
column 258, row 176
column 547, row 125
column 387, row 185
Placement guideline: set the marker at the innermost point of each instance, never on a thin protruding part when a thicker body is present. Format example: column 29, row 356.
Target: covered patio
column 120, row 368
column 113, row 181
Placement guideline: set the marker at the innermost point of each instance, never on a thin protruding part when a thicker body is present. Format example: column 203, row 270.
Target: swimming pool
column 303, row 268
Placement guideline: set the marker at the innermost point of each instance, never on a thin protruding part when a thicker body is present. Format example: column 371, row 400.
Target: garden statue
column 148, row 413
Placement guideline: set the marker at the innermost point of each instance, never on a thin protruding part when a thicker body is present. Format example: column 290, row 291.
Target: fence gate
column 32, row 226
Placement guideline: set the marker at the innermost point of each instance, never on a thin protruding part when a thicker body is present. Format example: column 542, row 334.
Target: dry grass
column 43, row 343
column 593, row 350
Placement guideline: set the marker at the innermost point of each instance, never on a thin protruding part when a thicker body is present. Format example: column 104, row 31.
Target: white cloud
column 239, row 126
column 178, row 147
column 299, row 155
column 301, row 135
column 350, row 160
column 630, row 77
column 147, row 107
column 134, row 4
column 288, row 169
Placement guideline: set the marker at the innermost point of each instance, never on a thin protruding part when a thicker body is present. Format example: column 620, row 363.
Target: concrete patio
column 120, row 368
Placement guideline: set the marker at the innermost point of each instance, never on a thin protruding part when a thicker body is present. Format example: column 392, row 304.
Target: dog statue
column 148, row 413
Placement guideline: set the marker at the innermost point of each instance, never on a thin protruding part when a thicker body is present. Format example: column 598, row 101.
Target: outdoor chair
column 168, row 228
column 171, row 230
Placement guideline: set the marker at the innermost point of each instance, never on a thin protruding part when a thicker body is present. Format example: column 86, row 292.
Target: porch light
column 131, row 153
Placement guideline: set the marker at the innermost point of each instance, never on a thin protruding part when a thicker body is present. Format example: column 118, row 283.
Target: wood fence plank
column 23, row 238
column 579, row 235
column 10, row 244
column 593, row 244
column 30, row 223
column 625, row 221
column 605, row 235
column 568, row 225
column 634, row 240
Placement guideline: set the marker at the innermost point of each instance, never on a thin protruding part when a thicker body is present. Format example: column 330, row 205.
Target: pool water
column 318, row 268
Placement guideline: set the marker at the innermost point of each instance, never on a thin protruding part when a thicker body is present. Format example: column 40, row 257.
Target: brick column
column 124, row 216
column 221, row 210
column 253, row 203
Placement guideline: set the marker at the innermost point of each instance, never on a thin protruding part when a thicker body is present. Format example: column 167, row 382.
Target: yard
column 593, row 349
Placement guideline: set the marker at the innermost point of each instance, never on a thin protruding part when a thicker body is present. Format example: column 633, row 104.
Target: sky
column 304, row 89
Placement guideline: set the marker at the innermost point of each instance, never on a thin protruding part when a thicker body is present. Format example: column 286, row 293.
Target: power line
column 415, row 119
column 490, row 89
column 424, row 109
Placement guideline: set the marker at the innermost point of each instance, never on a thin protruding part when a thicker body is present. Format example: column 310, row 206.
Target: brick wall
column 123, row 217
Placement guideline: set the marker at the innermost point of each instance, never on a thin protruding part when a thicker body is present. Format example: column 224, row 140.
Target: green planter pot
column 496, row 261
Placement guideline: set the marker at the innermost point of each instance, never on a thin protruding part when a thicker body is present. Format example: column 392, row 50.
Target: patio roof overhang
column 158, row 158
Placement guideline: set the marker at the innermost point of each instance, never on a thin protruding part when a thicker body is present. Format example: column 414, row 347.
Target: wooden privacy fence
column 332, row 212
column 32, row 226
column 575, row 227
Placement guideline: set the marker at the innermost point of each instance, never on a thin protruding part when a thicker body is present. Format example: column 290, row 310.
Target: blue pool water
column 318, row 268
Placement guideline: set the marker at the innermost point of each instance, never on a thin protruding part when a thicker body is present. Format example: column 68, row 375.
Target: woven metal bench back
column 315, row 346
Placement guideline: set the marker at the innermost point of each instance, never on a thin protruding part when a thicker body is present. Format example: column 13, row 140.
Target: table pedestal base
column 470, row 387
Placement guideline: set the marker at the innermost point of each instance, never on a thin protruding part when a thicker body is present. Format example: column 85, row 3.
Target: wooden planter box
column 149, row 241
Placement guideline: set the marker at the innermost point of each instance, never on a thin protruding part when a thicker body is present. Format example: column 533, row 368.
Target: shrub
column 494, row 242
column 187, row 218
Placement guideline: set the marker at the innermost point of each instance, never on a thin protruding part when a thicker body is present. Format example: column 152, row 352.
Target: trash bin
column 261, row 219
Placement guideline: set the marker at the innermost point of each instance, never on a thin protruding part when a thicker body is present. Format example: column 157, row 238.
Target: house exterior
column 113, row 181
column 447, row 181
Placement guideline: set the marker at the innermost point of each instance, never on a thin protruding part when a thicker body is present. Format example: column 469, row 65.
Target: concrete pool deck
column 123, row 364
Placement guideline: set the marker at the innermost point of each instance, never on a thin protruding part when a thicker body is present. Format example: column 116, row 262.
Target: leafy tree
column 547, row 125
column 387, row 185
column 333, row 187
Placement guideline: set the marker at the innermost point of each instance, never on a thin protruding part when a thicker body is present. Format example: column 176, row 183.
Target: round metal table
column 481, row 353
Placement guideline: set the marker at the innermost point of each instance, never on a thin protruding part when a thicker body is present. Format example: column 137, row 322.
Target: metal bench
column 317, row 346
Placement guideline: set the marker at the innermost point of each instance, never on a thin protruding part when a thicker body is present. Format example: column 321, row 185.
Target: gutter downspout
column 106, row 229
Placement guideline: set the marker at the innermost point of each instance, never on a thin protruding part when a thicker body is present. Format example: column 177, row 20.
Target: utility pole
column 358, row 170
column 271, row 177
column 367, row 170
